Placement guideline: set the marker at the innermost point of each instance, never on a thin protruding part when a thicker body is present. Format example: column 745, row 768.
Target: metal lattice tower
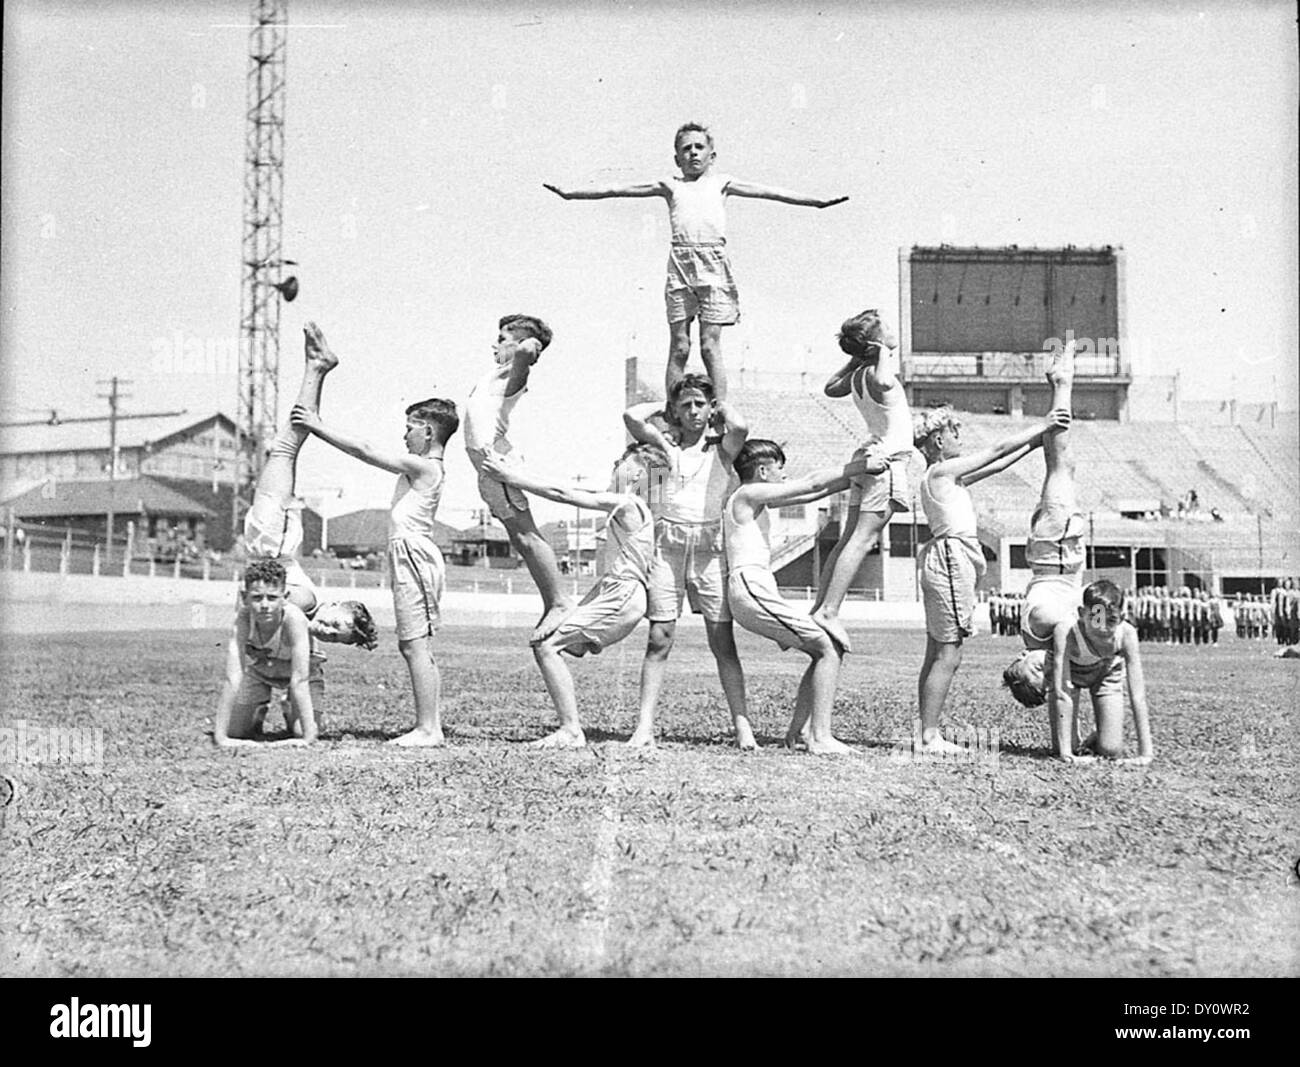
column 260, row 289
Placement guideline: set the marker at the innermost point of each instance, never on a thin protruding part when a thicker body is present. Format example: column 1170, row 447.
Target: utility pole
column 112, row 397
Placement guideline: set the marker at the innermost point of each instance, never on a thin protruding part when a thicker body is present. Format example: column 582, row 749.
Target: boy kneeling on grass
column 271, row 649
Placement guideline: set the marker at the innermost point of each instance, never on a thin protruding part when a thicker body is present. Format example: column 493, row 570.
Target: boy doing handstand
column 615, row 604
column 751, row 587
column 699, row 282
column 871, row 378
column 520, row 341
column 415, row 565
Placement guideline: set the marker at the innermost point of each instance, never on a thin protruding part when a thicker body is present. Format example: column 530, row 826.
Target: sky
column 418, row 138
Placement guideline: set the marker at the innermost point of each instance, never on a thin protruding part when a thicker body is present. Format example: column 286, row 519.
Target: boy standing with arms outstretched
column 751, row 587
column 699, row 283
column 871, row 378
column 415, row 564
column 688, row 536
column 520, row 341
column 952, row 561
column 617, row 602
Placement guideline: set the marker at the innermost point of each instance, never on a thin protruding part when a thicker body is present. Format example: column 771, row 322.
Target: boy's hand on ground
column 304, row 418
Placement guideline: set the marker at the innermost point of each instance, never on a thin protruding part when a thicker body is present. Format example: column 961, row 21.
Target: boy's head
column 690, row 401
column 346, row 623
column 265, row 593
column 936, row 433
column 433, row 420
column 513, row 331
column 863, row 336
column 640, row 470
column 693, row 149
column 1024, row 677
column 759, row 460
column 1102, row 610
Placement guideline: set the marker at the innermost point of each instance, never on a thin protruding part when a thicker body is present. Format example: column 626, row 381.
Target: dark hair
column 438, row 413
column 860, row 334
column 702, row 382
column 266, row 571
column 364, row 632
column 1103, row 591
column 1029, row 694
column 651, row 455
column 527, row 326
column 755, row 451
column 691, row 127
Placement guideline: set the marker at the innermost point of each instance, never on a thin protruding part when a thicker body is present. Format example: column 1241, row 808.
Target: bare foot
column 643, row 737
column 1060, row 366
column 794, row 740
column 550, row 621
column 832, row 746
column 745, row 736
column 564, row 737
column 835, row 628
column 939, row 745
column 419, row 738
column 318, row 349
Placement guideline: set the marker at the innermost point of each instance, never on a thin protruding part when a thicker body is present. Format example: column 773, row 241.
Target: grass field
column 489, row 858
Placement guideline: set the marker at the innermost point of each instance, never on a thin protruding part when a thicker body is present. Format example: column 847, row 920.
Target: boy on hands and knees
column 700, row 283
column 871, row 378
column 1096, row 652
column 520, row 341
column 415, row 564
column 271, row 649
column 751, row 587
column 616, row 604
column 951, row 562
column 688, row 532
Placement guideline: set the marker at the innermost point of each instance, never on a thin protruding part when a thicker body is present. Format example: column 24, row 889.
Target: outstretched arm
column 960, row 468
column 573, row 495
column 1060, row 702
column 299, row 687
column 770, row 192
column 813, row 486
column 409, row 464
column 1003, row 463
column 234, row 675
column 606, row 192
column 1137, row 696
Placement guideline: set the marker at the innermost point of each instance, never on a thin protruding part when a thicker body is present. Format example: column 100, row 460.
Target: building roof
column 481, row 532
column 135, row 496
column 89, row 436
column 369, row 526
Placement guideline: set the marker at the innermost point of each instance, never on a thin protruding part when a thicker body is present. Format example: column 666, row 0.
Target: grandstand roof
column 88, row 436
column 138, row 496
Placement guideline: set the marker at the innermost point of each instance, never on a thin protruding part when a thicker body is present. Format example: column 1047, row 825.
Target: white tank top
column 629, row 548
column 697, row 485
column 697, row 210
column 952, row 515
column 747, row 544
column 412, row 511
column 890, row 421
column 487, row 415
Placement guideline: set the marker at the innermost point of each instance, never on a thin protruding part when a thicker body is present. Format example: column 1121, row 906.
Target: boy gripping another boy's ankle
column 871, row 378
column 415, row 564
column 521, row 339
column 699, row 283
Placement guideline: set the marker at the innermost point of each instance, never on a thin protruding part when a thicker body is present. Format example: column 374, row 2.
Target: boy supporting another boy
column 871, row 378
column 271, row 649
column 520, row 341
column 1096, row 652
column 617, row 602
column 952, row 561
column 688, row 536
column 699, row 283
column 415, row 565
column 751, row 587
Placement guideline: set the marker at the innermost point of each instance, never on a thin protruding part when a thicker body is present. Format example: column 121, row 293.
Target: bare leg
column 842, row 568
column 1109, row 712
column 679, row 351
column 711, row 356
column 823, row 674
column 559, row 683
column 653, row 668
column 279, row 473
column 937, row 670
column 426, row 683
column 539, row 557
column 722, row 643
column 1058, row 483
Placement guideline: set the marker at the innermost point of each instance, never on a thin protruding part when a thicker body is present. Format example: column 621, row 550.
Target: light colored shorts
column 607, row 614
column 256, row 687
column 417, row 573
column 1055, row 544
column 700, row 284
column 1103, row 678
column 273, row 530
column 1050, row 599
column 948, row 578
column 758, row 607
column 688, row 562
column 887, row 491
column 504, row 501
